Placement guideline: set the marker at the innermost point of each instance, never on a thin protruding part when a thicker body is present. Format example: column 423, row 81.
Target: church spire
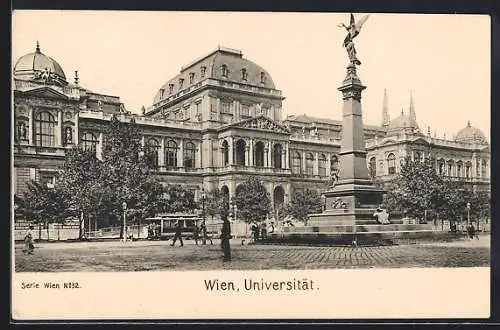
column 385, row 110
column 413, row 115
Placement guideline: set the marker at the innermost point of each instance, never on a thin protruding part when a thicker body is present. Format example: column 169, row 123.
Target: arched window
column 322, row 165
column 277, row 153
column 171, row 154
column 224, row 71
column 468, row 167
column 189, row 155
column 484, row 169
column 334, row 164
column 417, row 157
column 309, row 164
column 441, row 167
column 373, row 167
column 154, row 148
column 259, row 154
column 391, row 164
column 225, row 153
column 296, row 160
column 45, row 124
column 89, row 141
column 240, row 152
column 459, row 168
column 451, row 168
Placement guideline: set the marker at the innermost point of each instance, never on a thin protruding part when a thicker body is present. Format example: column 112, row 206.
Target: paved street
column 155, row 255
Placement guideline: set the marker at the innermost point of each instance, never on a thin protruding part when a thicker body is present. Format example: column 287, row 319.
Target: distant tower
column 385, row 110
column 413, row 115
column 76, row 77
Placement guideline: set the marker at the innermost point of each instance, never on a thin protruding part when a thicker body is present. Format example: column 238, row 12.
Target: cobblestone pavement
column 146, row 256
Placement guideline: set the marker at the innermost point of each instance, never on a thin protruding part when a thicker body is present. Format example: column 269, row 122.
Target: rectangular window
column 47, row 179
column 197, row 106
column 226, row 107
column 245, row 110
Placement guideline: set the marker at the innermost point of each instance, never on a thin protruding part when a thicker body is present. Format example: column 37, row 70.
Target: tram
column 162, row 226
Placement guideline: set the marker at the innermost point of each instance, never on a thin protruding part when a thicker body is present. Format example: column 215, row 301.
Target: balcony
column 253, row 169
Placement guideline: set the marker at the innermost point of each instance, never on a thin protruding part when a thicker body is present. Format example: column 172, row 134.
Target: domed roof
column 470, row 134
column 38, row 66
column 402, row 121
column 223, row 64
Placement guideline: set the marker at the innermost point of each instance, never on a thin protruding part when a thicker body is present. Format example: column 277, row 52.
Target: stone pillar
column 270, row 154
column 99, row 146
column 316, row 164
column 266, row 157
column 180, row 154
column 31, row 121
column 412, row 156
column 59, row 130
column 198, row 161
column 143, row 141
column 77, row 129
column 230, row 152
column 251, row 153
column 161, row 153
column 328, row 165
column 210, row 162
column 287, row 156
column 303, row 165
column 247, row 155
column 283, row 156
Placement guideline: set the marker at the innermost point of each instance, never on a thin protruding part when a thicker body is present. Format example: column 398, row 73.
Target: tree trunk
column 80, row 234
column 48, row 229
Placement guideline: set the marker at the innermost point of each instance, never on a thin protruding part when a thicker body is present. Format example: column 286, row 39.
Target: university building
column 219, row 120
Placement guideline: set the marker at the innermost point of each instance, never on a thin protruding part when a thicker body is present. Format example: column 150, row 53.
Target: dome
column 222, row 64
column 38, row 66
column 403, row 121
column 470, row 134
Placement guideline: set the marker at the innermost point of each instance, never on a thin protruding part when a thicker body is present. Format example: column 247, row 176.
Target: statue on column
column 352, row 31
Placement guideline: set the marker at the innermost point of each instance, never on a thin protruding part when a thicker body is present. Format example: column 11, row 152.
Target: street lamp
column 203, row 197
column 468, row 213
column 124, row 207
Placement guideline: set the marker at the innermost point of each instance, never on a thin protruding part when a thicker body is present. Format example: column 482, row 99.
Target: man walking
column 225, row 237
column 203, row 230
column 178, row 232
column 28, row 241
column 196, row 233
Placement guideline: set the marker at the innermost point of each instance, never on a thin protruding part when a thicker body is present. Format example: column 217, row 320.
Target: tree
column 82, row 181
column 217, row 203
column 126, row 169
column 252, row 200
column 303, row 203
column 416, row 191
column 176, row 198
column 43, row 204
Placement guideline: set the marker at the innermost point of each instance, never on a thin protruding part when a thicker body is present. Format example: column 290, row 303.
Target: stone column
column 412, row 156
column 99, row 147
column 59, row 130
column 31, row 131
column 303, row 165
column 287, row 156
column 266, row 157
column 316, row 164
column 328, row 165
column 283, row 156
column 210, row 153
column 247, row 155
column 77, row 129
column 198, row 161
column 251, row 163
column 270, row 154
column 143, row 141
column 230, row 152
column 180, row 154
column 161, row 153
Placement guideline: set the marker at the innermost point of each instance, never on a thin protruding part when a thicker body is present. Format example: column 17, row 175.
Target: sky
column 443, row 59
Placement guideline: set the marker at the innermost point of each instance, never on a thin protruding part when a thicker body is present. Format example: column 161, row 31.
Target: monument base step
column 361, row 238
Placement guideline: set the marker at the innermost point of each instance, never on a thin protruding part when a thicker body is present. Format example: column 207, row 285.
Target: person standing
column 178, row 234
column 28, row 241
column 225, row 237
column 255, row 231
column 196, row 233
column 204, row 234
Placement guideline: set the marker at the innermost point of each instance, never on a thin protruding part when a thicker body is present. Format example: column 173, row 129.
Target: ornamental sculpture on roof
column 352, row 31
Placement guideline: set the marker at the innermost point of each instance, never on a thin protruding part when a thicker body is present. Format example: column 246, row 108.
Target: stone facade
column 217, row 122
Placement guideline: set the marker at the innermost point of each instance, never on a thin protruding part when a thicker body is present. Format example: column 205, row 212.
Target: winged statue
column 352, row 31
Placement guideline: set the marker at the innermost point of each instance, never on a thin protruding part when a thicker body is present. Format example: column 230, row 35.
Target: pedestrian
column 271, row 227
column 263, row 231
column 472, row 231
column 28, row 241
column 178, row 234
column 255, row 231
column 204, row 234
column 225, row 237
column 196, row 233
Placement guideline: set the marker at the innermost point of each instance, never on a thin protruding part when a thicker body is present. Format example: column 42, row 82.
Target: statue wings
column 354, row 27
column 360, row 22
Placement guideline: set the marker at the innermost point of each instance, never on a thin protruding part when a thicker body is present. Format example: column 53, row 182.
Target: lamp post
column 124, row 207
column 203, row 197
column 468, row 213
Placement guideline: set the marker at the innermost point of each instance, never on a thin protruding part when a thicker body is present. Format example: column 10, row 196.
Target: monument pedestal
column 350, row 204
